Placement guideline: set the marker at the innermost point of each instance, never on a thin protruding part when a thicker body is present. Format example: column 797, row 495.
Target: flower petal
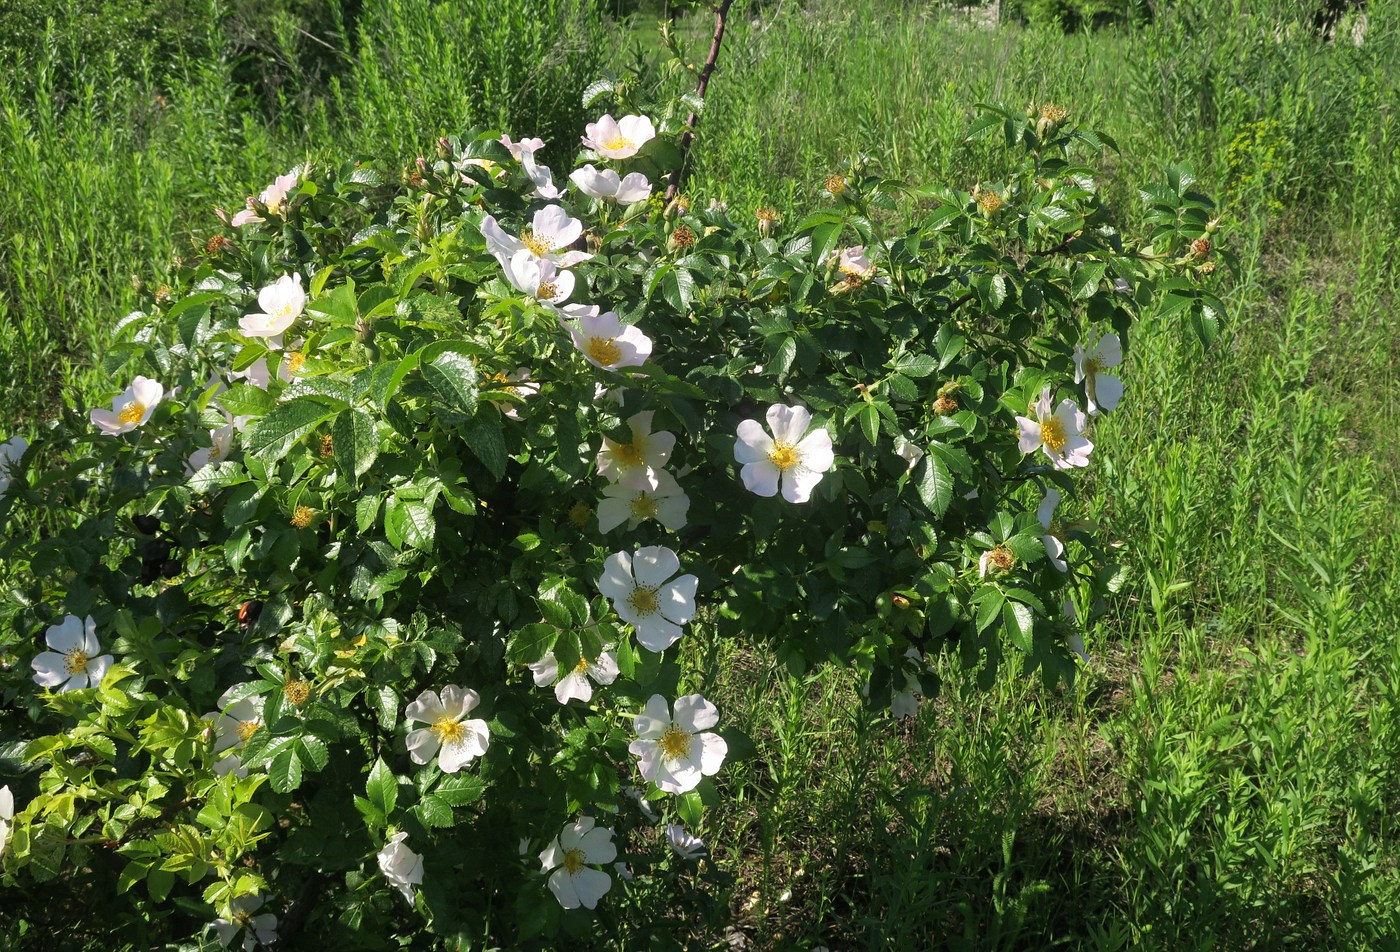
column 694, row 713
column 761, row 478
column 654, row 564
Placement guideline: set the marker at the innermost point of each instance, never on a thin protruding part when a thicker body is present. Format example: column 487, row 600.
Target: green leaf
column 677, row 288
column 989, row 609
column 381, row 788
column 918, row 366
column 453, row 377
column 1086, row 280
column 532, row 642
column 488, row 444
column 1173, row 303
column 246, row 400
column 285, row 770
column 935, row 484
column 356, row 443
column 997, row 290
column 1019, row 622
column 869, row 419
column 411, row 520
column 433, row 811
column 275, row 434
column 460, row 789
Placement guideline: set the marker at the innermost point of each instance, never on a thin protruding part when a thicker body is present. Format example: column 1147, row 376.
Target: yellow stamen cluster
column 766, row 213
column 835, row 184
column 131, row 413
column 784, row 456
column 573, row 861
column 643, row 600
column 1200, row 247
column 617, row 143
column 990, row 202
column 580, row 514
column 75, row 661
column 582, row 665
column 675, row 744
column 946, row 404
column 538, row 244
column 604, row 350
column 1052, row 433
column 296, row 692
column 643, row 506
column 1001, row 559
column 327, row 446
column 163, row 292
column 547, row 291
column 302, row 517
column 246, row 729
column 295, row 360
column 1053, row 112
column 217, row 244
column 449, row 730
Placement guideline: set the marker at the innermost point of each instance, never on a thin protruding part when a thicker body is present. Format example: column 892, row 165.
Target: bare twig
column 721, row 12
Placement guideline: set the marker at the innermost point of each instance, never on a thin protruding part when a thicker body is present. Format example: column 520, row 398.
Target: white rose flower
column 637, row 465
column 517, row 383
column 908, row 451
column 667, row 504
column 257, row 930
column 539, row 278
column 131, row 409
column 618, row 138
column 799, row 461
column 575, row 685
column 460, row 740
column 551, row 232
column 1103, row 390
column 282, row 303
column 7, row 816
column 401, row 866
column 644, row 599
column 1059, row 433
column 524, row 146
column 607, row 186
column 1054, row 548
column 10, row 455
column 676, row 751
column 234, row 725
column 540, row 176
column 579, row 847
column 606, row 343
column 74, row 662
column 275, row 195
column 644, row 805
column 220, row 443
column 686, row 845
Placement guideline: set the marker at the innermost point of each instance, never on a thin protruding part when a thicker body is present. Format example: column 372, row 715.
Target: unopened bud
column 899, row 601
column 444, row 148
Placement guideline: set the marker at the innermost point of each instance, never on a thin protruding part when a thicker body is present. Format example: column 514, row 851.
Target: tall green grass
column 1224, row 775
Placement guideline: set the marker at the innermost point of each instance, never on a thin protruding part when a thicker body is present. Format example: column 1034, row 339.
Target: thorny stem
column 688, row 135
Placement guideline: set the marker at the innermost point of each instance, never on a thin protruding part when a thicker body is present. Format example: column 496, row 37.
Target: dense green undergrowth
column 1224, row 774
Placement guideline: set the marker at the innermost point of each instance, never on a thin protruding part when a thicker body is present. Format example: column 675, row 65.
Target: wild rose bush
column 359, row 614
